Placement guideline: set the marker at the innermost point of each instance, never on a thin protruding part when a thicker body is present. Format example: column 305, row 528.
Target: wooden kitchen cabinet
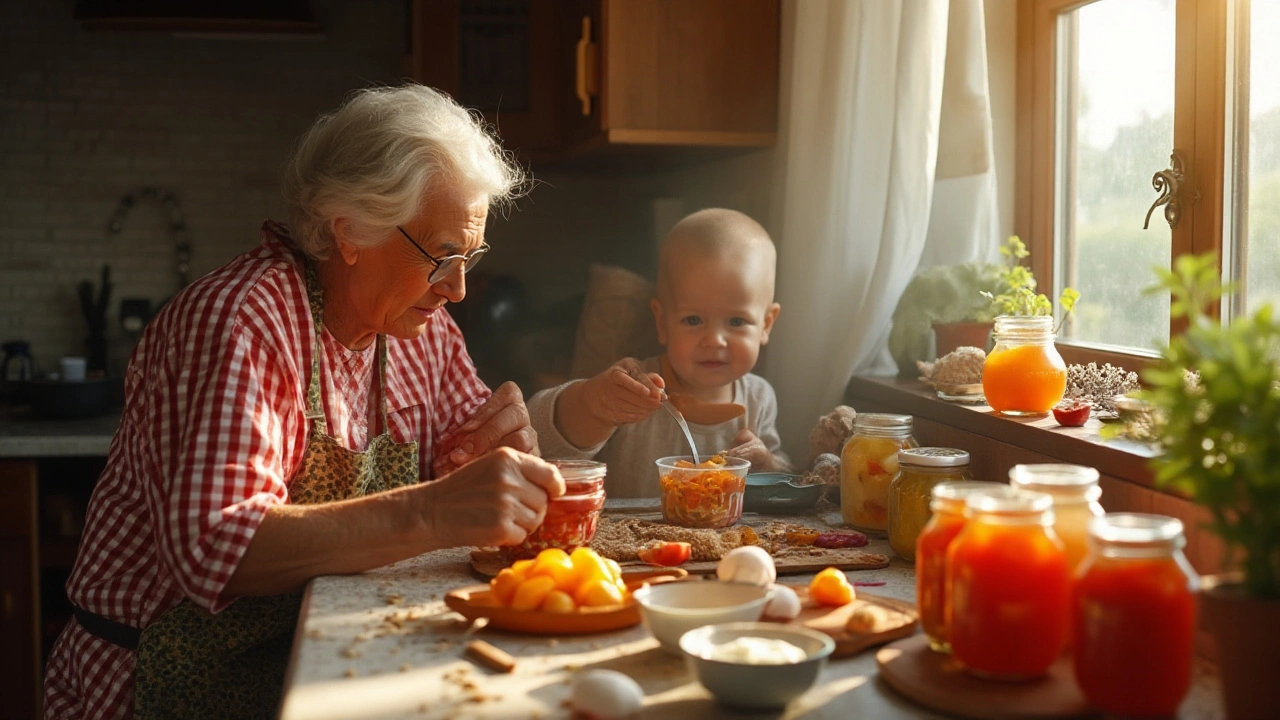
column 20, row 671
column 560, row 76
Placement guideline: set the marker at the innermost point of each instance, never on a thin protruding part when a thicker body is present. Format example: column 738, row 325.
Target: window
column 1108, row 90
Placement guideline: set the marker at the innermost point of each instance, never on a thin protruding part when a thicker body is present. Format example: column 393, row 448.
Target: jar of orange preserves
column 1009, row 585
column 910, row 493
column 1135, row 616
column 1024, row 374
column 931, row 556
column 1075, row 494
column 868, row 463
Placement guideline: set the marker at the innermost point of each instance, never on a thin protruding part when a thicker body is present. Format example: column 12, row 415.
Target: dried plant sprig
column 1099, row 385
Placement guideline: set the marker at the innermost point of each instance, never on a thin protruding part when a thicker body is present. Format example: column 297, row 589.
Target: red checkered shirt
column 212, row 432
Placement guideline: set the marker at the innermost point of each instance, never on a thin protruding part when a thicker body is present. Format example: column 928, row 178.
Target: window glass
column 1259, row 224
column 1114, row 130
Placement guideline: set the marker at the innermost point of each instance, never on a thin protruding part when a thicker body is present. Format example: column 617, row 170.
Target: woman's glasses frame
column 445, row 266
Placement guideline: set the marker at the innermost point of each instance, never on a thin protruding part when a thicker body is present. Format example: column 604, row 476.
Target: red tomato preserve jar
column 1009, row 586
column 571, row 519
column 1135, row 616
column 931, row 556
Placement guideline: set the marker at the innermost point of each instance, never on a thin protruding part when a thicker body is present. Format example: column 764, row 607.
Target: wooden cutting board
column 487, row 563
column 896, row 619
column 938, row 681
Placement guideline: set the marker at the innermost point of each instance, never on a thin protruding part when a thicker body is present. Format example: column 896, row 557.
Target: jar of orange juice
column 1009, row 585
column 1135, row 616
column 1075, row 494
column 868, row 463
column 931, row 556
column 1024, row 374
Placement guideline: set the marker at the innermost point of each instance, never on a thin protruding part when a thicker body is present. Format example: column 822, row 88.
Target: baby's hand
column 623, row 394
column 752, row 449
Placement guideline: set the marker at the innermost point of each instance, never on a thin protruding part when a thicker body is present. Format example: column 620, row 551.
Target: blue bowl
column 776, row 492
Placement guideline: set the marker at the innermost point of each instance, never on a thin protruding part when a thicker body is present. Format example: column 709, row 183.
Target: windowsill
column 1123, row 460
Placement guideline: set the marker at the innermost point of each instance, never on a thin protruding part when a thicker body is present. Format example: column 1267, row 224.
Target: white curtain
column 868, row 194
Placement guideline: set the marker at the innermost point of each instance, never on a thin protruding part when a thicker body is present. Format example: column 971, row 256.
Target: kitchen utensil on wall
column 177, row 226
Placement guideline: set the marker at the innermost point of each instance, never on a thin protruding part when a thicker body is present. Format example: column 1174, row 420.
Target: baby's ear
column 656, row 306
column 769, row 316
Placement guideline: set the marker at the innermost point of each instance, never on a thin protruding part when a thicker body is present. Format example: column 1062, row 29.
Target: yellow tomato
column 588, row 566
column 504, row 585
column 530, row 593
column 598, row 593
column 521, row 568
column 831, row 587
column 558, row 602
column 615, row 570
column 555, row 564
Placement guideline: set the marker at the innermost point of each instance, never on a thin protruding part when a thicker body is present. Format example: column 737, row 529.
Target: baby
column 714, row 309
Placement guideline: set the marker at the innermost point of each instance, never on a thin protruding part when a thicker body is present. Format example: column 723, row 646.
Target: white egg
column 784, row 605
column 605, row 694
column 748, row 564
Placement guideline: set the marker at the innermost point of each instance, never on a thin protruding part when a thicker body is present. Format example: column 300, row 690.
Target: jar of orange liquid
column 931, row 556
column 1009, row 586
column 868, row 462
column 1135, row 616
column 1075, row 494
column 1024, row 374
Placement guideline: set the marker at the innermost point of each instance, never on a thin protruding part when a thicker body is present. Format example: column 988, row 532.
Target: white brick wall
column 87, row 117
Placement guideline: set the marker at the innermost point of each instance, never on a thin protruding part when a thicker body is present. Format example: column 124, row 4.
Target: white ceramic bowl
column 669, row 610
column 755, row 686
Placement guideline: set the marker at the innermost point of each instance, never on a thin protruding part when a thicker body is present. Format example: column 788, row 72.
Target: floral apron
column 194, row 664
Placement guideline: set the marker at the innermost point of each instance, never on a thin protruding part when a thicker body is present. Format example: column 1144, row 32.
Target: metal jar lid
column 938, row 457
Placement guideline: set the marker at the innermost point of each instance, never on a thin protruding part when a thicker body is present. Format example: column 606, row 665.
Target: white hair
column 374, row 159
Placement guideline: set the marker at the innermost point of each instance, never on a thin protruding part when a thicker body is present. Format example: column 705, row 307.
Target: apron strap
column 315, row 297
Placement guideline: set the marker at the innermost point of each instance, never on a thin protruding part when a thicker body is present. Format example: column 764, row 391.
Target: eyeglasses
column 447, row 264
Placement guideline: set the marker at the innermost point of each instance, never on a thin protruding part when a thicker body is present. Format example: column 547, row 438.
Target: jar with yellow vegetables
column 919, row 470
column 868, row 463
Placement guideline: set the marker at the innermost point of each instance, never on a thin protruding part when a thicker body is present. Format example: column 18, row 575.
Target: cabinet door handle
column 585, row 84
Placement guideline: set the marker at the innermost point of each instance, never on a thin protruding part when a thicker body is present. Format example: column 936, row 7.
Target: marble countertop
column 22, row 437
column 383, row 645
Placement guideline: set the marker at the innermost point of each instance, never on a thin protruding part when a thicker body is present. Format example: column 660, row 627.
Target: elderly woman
column 281, row 412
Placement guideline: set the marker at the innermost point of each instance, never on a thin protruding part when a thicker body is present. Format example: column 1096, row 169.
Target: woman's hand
column 496, row 500
column 752, row 449
column 623, row 394
column 502, row 421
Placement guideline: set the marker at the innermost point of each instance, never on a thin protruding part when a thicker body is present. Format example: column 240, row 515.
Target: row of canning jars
column 998, row 589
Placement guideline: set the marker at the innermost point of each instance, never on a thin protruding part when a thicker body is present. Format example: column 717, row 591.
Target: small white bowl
column 669, row 610
column 749, row 686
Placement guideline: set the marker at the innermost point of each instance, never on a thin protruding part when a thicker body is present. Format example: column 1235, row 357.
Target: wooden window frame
column 1198, row 134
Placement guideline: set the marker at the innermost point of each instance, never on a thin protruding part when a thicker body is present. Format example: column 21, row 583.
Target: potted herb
column 947, row 299
column 1017, row 292
column 1216, row 400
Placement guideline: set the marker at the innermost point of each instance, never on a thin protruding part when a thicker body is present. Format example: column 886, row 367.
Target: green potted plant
column 943, row 299
column 1017, row 291
column 1216, row 400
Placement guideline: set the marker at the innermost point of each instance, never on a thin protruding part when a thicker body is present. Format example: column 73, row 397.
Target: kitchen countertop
column 383, row 645
column 30, row 438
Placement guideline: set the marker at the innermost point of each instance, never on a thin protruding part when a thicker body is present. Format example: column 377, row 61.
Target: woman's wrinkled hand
column 502, row 421
column 623, row 394
column 497, row 499
column 751, row 448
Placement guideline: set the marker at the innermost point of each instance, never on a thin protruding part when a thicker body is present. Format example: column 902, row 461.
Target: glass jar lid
column 1065, row 482
column 937, row 457
column 882, row 421
column 1136, row 530
column 1008, row 501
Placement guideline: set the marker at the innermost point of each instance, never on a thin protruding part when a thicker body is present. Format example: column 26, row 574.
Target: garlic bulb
column 784, row 605
column 605, row 695
column 747, row 564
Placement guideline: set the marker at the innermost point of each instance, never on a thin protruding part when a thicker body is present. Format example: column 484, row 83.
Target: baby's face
column 714, row 321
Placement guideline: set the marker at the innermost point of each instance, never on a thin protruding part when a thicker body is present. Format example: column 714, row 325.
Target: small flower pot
column 949, row 336
column 1246, row 638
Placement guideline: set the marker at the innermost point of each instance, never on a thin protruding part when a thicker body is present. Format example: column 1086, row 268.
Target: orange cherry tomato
column 667, row 554
column 831, row 587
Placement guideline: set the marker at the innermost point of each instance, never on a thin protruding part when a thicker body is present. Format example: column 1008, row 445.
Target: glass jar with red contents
column 1009, row 586
column 571, row 519
column 1135, row 616
column 931, row 556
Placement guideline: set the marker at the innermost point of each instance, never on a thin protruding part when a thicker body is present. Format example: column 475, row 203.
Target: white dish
column 756, row 686
column 671, row 609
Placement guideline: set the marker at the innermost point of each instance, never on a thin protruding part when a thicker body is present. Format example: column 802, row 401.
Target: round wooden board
column 894, row 619
column 937, row 681
column 473, row 602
